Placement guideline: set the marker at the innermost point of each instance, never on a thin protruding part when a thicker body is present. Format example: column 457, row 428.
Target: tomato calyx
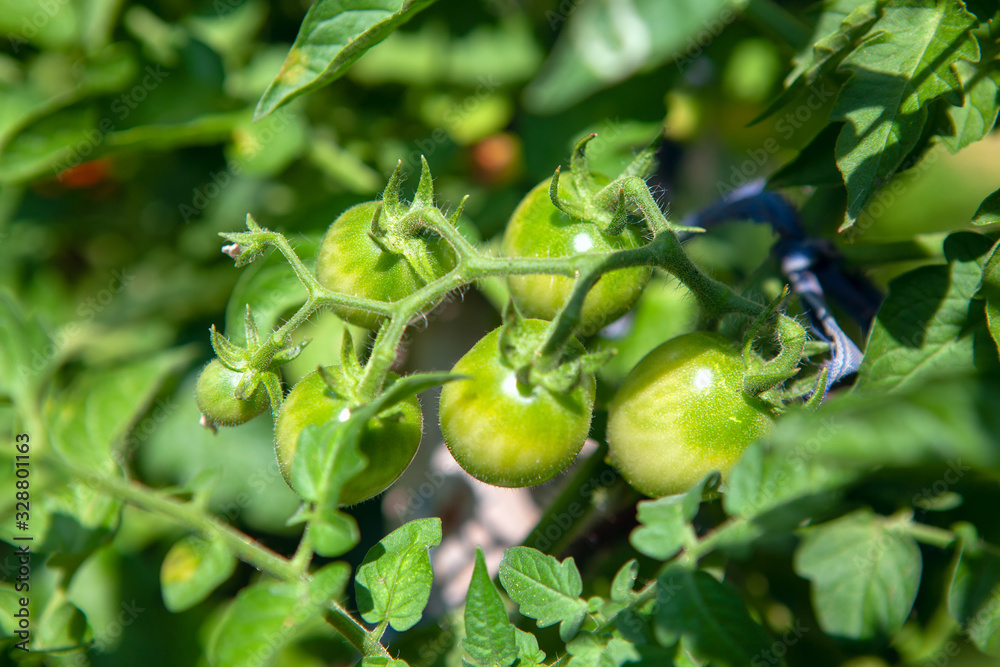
column 527, row 351
column 765, row 378
column 582, row 197
column 403, row 228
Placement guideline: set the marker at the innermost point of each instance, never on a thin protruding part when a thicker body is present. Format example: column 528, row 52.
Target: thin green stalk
column 240, row 545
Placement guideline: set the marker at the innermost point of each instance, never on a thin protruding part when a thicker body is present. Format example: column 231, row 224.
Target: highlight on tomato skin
column 504, row 433
column 681, row 413
column 390, row 441
column 538, row 229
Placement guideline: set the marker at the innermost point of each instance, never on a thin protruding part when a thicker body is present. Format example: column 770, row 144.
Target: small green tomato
column 215, row 394
column 682, row 413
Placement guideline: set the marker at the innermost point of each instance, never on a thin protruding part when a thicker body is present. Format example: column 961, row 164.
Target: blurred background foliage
column 126, row 145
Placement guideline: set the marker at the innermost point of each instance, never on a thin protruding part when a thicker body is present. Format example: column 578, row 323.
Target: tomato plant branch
column 239, row 544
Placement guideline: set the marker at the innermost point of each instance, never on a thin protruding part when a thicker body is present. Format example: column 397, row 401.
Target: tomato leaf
column 546, row 589
column 269, row 615
column 333, row 35
column 665, row 523
column 988, row 212
column 973, row 594
column 865, row 571
column 623, row 585
column 393, row 583
column 589, row 649
column 191, row 570
column 981, row 95
column 92, row 417
column 709, row 616
column 902, row 65
column 490, row 638
column 927, row 325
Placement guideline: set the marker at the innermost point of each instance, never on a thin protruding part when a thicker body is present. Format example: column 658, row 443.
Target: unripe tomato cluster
column 680, row 414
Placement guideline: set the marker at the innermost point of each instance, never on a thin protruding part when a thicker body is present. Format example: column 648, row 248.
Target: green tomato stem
column 579, row 490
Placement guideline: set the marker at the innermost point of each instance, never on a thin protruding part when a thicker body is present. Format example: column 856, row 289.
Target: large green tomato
column 682, row 413
column 215, row 395
column 352, row 263
column 389, row 441
column 504, row 433
column 539, row 229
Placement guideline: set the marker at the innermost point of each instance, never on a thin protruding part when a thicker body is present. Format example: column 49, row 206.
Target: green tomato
column 539, row 229
column 351, row 262
column 504, row 433
column 682, row 413
column 215, row 394
column 389, row 441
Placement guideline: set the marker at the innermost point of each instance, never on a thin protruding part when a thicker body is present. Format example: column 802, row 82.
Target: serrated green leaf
column 665, row 523
column 393, row 583
column 926, row 325
column 709, row 616
column 903, row 64
column 333, row 35
column 841, row 24
column 546, row 589
column 93, row 415
column 191, row 570
column 489, row 634
column 603, row 43
column 528, row 653
column 865, row 571
column 590, row 650
column 972, row 597
column 269, row 615
column 988, row 212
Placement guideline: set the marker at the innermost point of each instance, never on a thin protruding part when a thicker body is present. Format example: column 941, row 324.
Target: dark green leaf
column 903, row 64
column 489, row 634
column 393, row 583
column 709, row 616
column 546, row 589
column 333, row 35
column 191, row 570
column 927, row 325
column 865, row 571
